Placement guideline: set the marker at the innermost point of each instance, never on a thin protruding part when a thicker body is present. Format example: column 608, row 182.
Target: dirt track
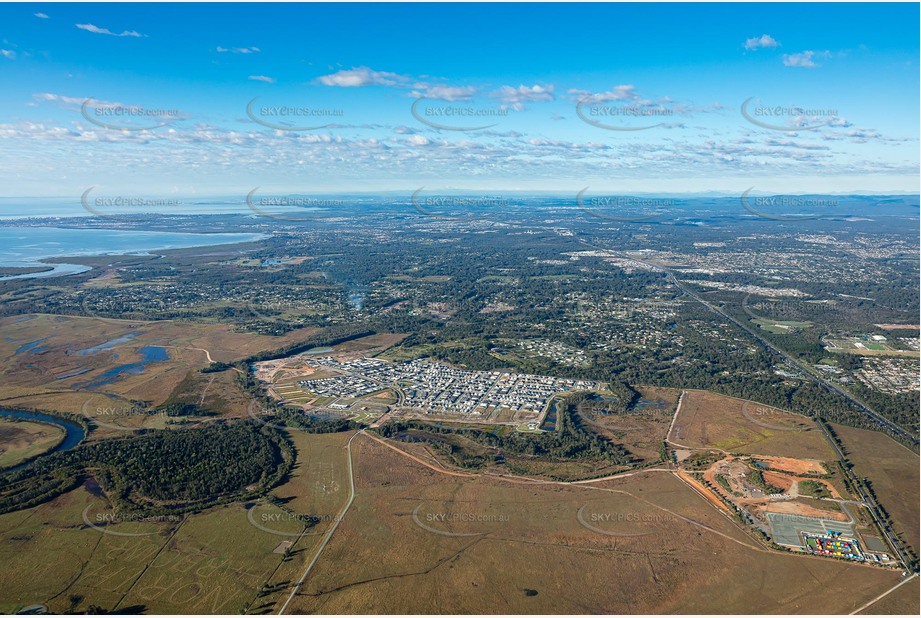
column 797, row 508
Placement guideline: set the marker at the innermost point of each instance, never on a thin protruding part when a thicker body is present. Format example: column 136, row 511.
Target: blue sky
column 633, row 98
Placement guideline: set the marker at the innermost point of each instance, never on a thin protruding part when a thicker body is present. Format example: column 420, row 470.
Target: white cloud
column 759, row 42
column 58, row 98
column 41, row 16
column 406, row 153
column 517, row 97
column 48, row 97
column 98, row 30
column 617, row 93
column 804, row 59
column 8, row 53
column 444, row 93
column 238, row 50
column 365, row 76
column 362, row 76
column 243, row 159
column 262, row 78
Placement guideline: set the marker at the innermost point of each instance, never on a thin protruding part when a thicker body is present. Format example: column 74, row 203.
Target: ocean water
column 27, row 246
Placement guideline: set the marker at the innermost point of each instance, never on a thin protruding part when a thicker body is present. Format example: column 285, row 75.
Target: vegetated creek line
column 73, row 433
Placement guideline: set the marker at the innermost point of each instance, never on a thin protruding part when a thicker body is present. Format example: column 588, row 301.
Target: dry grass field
column 370, row 345
column 893, row 472
column 420, row 541
column 418, row 538
column 901, row 601
column 709, row 420
column 319, row 484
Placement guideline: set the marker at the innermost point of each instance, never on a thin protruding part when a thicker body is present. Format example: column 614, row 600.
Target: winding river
column 73, row 433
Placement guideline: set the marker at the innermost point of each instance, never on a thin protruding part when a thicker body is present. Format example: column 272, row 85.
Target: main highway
column 877, row 418
column 865, row 496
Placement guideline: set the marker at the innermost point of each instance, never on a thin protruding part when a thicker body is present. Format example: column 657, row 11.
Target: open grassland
column 904, row 600
column 220, row 341
column 780, row 327
column 709, row 420
column 642, row 544
column 48, row 554
column 308, row 504
column 893, row 473
column 20, row 440
column 319, row 483
column 214, row 563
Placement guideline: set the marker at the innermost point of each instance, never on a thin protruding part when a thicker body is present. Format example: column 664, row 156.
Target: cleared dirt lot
column 796, row 466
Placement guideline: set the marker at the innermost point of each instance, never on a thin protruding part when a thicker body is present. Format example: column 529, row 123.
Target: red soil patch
column 778, row 480
column 704, row 490
column 796, row 466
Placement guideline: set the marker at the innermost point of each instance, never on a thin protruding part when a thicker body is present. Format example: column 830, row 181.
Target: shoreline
column 47, row 264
